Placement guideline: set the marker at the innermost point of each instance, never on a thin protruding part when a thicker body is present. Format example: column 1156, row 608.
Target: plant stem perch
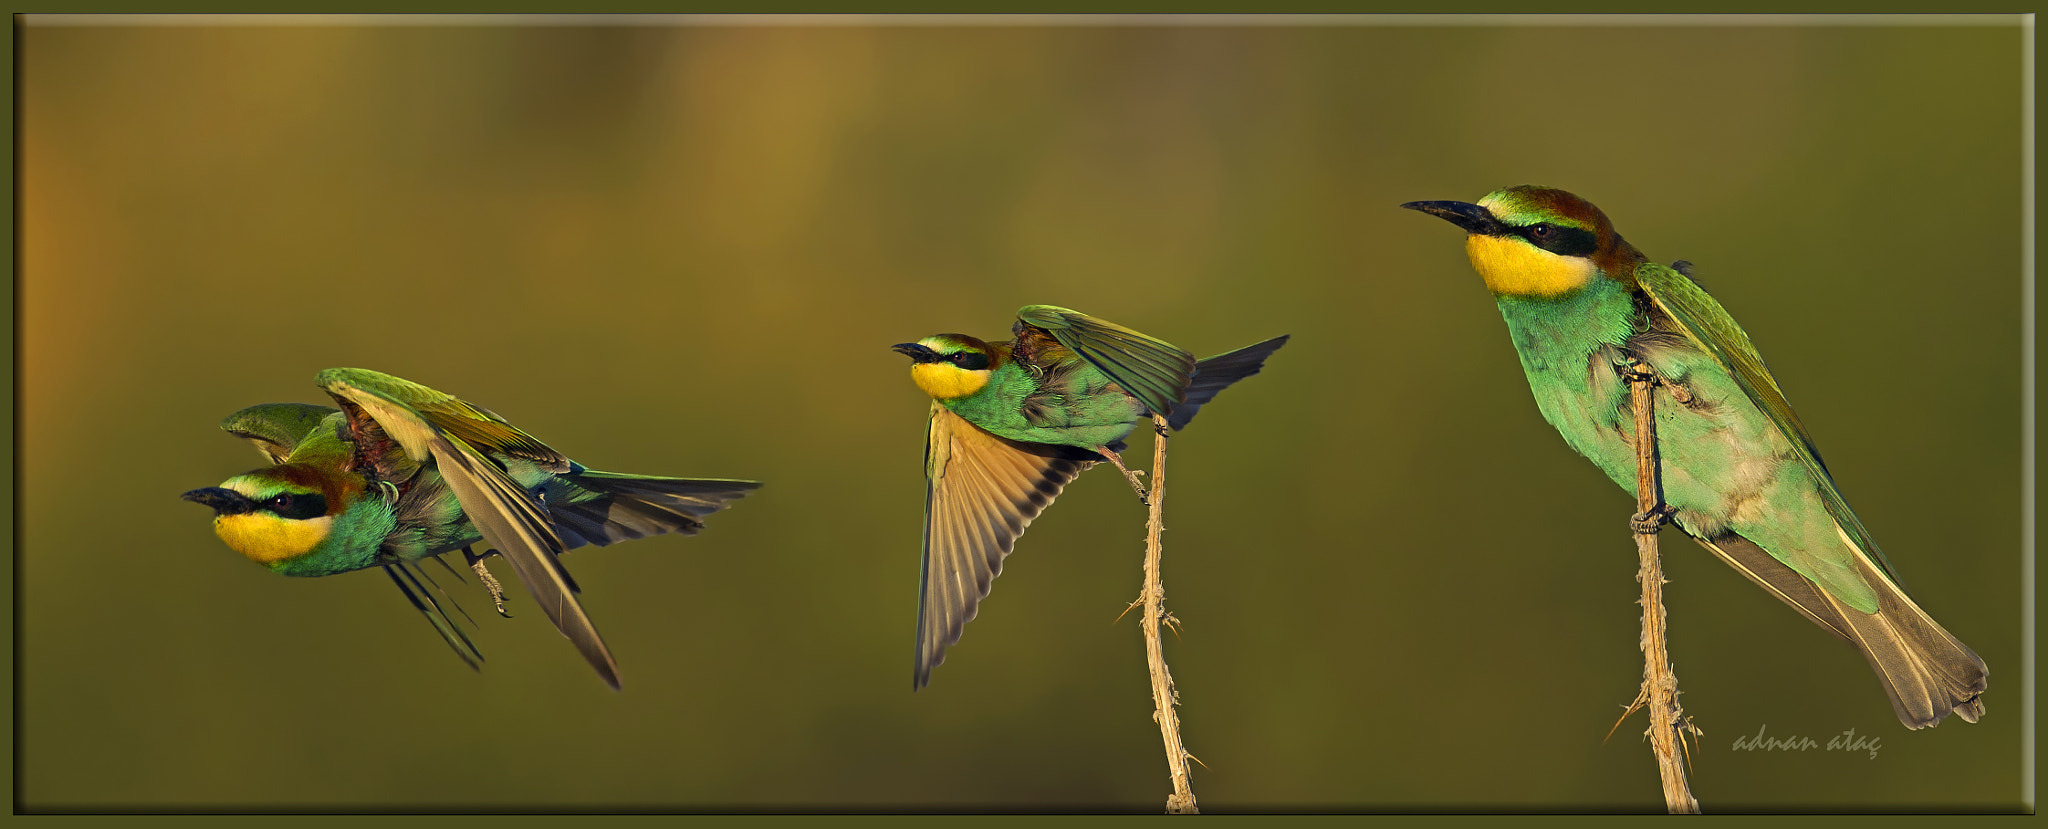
column 1153, row 594
column 1660, row 684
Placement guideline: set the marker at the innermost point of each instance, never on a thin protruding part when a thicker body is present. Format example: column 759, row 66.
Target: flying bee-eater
column 1012, row 423
column 402, row 472
column 1737, row 471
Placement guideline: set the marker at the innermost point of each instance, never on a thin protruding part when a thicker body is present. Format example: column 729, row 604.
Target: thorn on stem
column 1642, row 696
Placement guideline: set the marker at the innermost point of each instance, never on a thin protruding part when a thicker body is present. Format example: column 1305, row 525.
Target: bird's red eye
column 1540, row 230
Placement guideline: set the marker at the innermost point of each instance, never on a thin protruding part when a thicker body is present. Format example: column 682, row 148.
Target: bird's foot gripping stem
column 1128, row 474
column 1634, row 370
column 1647, row 523
column 476, row 562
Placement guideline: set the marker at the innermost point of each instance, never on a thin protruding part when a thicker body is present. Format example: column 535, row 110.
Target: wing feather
column 1715, row 332
column 473, row 424
column 510, row 520
column 275, row 429
column 981, row 492
column 1927, row 673
column 1152, row 370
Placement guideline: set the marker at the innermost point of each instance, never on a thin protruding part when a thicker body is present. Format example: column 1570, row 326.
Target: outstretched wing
column 429, row 425
column 981, row 492
column 276, row 428
column 1715, row 332
column 1151, row 369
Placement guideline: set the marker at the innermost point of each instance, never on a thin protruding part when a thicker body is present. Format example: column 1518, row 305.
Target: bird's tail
column 615, row 507
column 1217, row 373
column 1928, row 673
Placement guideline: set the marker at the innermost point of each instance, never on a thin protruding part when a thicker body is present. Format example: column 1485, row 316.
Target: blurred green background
column 685, row 250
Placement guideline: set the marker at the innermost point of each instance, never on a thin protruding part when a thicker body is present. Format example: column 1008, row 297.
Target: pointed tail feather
column 1928, row 673
column 618, row 507
column 408, row 583
column 1217, row 373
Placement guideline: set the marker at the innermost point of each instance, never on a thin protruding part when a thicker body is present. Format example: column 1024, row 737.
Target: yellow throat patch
column 265, row 538
column 1513, row 267
column 945, row 381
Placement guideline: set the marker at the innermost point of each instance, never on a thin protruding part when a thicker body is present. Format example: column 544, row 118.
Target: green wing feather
column 473, row 424
column 430, row 425
column 1152, row 370
column 276, row 428
column 1714, row 331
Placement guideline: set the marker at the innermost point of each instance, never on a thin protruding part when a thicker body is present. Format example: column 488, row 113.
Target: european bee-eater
column 1012, row 423
column 402, row 472
column 1738, row 470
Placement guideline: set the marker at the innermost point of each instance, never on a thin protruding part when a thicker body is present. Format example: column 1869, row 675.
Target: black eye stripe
column 969, row 360
column 1559, row 239
column 297, row 506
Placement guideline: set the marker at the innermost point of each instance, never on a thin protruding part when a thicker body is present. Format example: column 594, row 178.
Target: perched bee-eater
column 402, row 472
column 1012, row 423
column 1737, row 470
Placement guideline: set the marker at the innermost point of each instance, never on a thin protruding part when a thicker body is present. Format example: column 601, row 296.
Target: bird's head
column 950, row 366
column 276, row 514
column 1537, row 242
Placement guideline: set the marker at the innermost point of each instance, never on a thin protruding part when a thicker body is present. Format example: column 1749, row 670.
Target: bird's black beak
column 223, row 501
column 916, row 353
column 1473, row 218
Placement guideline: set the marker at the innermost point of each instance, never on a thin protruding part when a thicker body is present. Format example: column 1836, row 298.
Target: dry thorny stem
column 1153, row 596
column 1668, row 724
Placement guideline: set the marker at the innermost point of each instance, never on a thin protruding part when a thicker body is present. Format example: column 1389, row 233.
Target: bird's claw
column 1647, row 523
column 476, row 562
column 1137, row 487
column 1634, row 370
column 1144, row 498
